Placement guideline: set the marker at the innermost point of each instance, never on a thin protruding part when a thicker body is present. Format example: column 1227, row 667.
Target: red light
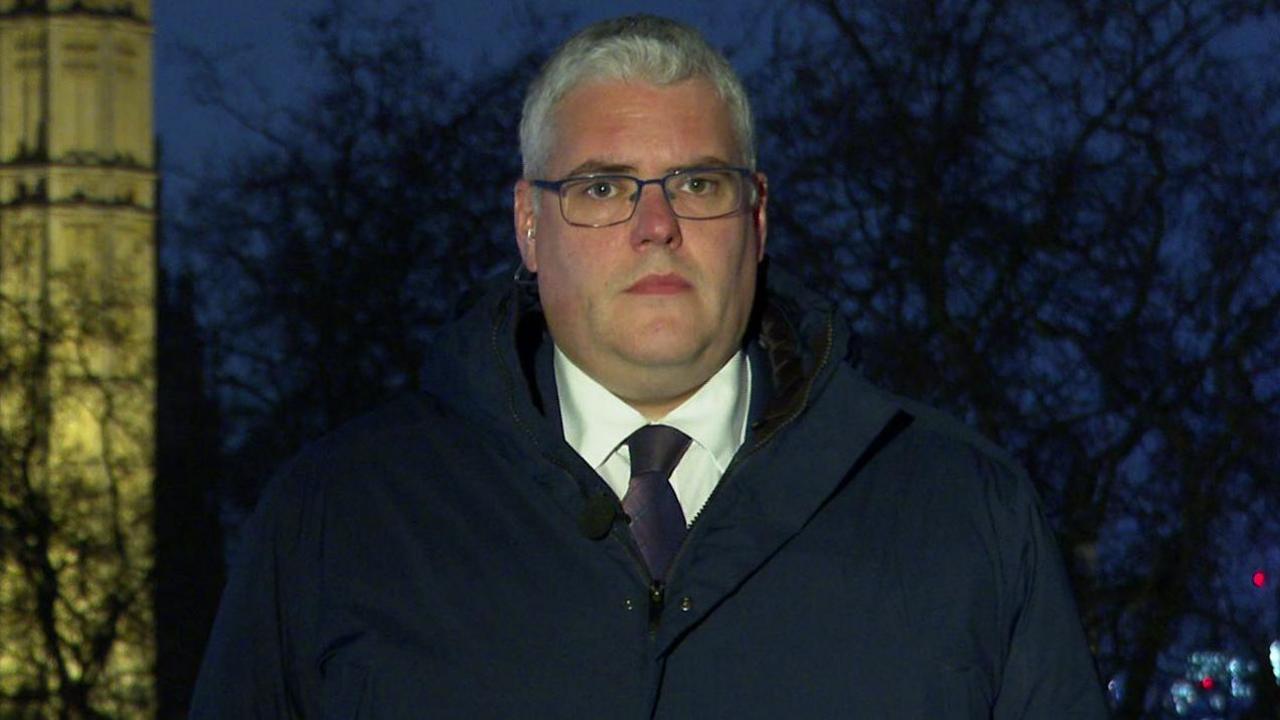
column 1206, row 682
column 1259, row 578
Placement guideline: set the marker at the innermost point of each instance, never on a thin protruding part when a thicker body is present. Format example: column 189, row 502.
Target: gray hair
column 637, row 47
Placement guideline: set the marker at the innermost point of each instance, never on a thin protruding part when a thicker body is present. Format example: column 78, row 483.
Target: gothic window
column 29, row 77
column 84, row 79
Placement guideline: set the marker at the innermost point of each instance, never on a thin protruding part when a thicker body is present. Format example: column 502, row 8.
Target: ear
column 525, row 223
column 760, row 215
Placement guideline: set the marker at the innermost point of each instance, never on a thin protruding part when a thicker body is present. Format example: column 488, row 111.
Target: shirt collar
column 596, row 421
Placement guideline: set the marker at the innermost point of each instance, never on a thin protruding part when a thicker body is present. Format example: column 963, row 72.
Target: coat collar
column 794, row 339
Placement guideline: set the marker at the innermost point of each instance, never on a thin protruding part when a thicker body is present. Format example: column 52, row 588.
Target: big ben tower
column 77, row 379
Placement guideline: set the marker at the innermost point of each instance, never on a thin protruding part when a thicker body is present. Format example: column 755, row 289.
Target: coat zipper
column 657, row 600
column 740, row 457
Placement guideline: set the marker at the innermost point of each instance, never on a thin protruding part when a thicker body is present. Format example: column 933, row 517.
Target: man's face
column 653, row 307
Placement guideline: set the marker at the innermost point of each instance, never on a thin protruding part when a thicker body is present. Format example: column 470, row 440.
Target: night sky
column 257, row 41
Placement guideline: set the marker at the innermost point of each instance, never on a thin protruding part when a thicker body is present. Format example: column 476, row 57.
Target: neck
column 654, row 410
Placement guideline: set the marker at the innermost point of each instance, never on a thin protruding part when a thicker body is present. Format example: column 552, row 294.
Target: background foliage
column 1059, row 220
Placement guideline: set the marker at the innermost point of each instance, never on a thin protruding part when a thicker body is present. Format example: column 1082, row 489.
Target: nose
column 654, row 222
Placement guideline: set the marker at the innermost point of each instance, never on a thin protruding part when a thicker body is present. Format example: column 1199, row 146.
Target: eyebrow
column 604, row 167
column 597, row 167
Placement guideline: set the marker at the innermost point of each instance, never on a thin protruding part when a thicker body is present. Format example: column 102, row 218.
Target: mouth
column 666, row 284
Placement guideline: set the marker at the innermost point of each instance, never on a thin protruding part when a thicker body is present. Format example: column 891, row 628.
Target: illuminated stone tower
column 77, row 337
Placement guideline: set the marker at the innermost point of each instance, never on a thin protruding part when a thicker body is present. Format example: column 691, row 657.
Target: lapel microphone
column 599, row 514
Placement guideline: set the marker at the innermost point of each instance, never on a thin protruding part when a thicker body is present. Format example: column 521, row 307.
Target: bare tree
column 1059, row 219
column 329, row 249
column 75, row 497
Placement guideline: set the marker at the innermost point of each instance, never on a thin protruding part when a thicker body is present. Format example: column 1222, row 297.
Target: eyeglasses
column 692, row 193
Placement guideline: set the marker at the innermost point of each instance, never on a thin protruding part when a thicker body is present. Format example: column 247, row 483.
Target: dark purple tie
column 657, row 522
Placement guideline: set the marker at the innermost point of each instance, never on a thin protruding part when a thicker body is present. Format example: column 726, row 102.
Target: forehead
column 639, row 125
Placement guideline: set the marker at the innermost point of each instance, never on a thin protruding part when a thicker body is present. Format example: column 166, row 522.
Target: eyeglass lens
column 604, row 200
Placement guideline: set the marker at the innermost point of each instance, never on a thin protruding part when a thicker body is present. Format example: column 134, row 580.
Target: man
column 645, row 484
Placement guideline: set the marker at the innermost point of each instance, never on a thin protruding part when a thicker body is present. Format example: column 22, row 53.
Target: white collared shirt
column 596, row 424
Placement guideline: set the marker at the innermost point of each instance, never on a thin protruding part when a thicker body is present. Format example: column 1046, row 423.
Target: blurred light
column 1275, row 660
column 1183, row 695
column 1214, row 680
column 1115, row 687
column 1241, row 689
column 1259, row 578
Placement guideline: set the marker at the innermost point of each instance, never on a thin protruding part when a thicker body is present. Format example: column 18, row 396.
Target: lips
column 667, row 284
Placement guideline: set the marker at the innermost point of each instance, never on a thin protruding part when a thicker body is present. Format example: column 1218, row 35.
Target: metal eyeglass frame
column 556, row 185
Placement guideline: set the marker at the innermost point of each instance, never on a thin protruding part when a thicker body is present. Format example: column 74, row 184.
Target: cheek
column 737, row 264
column 738, row 280
column 570, row 277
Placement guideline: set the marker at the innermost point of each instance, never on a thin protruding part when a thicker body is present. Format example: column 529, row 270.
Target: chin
column 657, row 339
column 662, row 352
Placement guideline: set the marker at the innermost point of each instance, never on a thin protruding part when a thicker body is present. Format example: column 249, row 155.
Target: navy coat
column 863, row 557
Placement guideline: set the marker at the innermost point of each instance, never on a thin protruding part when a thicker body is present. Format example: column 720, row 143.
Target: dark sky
column 256, row 42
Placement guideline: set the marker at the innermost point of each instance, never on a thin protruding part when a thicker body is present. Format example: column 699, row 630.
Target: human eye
column 701, row 183
column 598, row 188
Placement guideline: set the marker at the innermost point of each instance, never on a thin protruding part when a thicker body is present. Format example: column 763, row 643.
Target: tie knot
column 656, row 449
